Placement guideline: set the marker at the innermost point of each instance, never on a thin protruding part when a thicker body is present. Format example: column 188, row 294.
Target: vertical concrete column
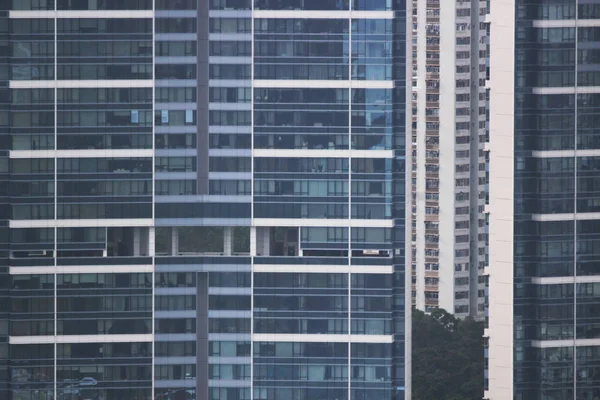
column 228, row 240
column 174, row 241
column 137, row 241
column 151, row 241
column 266, row 240
column 253, row 241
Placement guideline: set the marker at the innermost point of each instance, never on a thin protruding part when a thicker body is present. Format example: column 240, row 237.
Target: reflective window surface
column 554, row 57
column 130, row 187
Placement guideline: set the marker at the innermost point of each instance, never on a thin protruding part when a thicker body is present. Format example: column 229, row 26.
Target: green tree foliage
column 447, row 357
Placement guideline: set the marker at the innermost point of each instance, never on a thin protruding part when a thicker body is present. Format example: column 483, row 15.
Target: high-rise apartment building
column 204, row 199
column 448, row 159
column 544, row 294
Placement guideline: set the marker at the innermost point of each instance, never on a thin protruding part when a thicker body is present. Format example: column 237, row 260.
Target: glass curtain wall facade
column 544, row 277
column 4, row 200
column 204, row 200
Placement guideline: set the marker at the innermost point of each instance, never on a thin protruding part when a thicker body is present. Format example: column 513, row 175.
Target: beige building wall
column 501, row 200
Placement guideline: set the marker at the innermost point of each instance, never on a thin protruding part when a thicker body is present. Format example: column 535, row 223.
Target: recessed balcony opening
column 202, row 240
column 300, row 242
column 317, row 242
column 371, row 253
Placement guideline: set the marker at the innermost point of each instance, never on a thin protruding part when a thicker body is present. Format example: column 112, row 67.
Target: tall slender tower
column 4, row 203
column 448, row 164
column 207, row 200
column 544, row 289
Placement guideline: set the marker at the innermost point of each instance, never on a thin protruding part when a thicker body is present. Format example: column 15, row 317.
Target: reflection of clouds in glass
column 25, row 72
column 22, row 50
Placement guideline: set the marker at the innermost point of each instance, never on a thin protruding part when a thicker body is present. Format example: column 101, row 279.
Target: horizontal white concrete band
column 566, row 90
column 176, row 129
column 170, row 222
column 176, row 13
column 175, row 337
column 81, row 14
column 543, row 344
column 226, row 337
column 223, row 383
column 209, row 198
column 565, row 153
column 236, row 37
column 176, row 60
column 66, row 84
column 178, row 106
column 178, row 383
column 227, row 314
column 229, row 152
column 324, row 153
column 245, row 129
column 558, row 280
column 80, row 339
column 228, row 290
column 175, row 83
column 112, row 153
column 322, row 84
column 174, row 291
column 79, row 269
column 229, row 107
column 76, row 223
column 227, row 360
column 230, row 175
column 566, row 217
column 322, row 14
column 565, row 23
column 230, row 13
column 175, row 175
column 229, row 60
column 284, row 337
column 330, row 223
column 168, row 37
column 175, row 314
column 325, row 269
column 174, row 360
column 236, row 83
